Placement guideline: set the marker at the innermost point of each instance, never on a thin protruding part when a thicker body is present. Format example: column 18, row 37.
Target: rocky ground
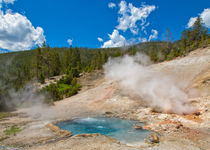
column 101, row 97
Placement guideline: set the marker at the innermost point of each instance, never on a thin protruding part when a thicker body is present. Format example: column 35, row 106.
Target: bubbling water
column 119, row 129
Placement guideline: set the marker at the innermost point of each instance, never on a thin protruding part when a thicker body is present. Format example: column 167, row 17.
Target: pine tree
column 199, row 33
column 184, row 39
column 67, row 58
column 38, row 61
column 168, row 38
column 197, row 30
column 47, row 59
column 76, row 61
column 55, row 63
column 41, row 78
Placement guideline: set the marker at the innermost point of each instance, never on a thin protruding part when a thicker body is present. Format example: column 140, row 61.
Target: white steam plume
column 28, row 96
column 159, row 91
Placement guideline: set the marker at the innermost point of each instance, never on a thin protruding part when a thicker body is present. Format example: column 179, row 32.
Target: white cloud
column 205, row 16
column 154, row 35
column 123, row 7
column 130, row 15
column 69, row 41
column 17, row 32
column 143, row 39
column 191, row 22
column 111, row 5
column 132, row 19
column 144, row 26
column 116, row 40
column 6, row 2
column 100, row 39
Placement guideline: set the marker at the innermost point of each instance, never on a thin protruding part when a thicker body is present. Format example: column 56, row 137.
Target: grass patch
column 3, row 138
column 13, row 130
column 5, row 115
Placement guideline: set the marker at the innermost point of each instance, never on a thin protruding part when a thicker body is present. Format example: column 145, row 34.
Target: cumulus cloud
column 154, row 35
column 116, row 40
column 111, row 5
column 191, row 21
column 18, row 33
column 100, row 39
column 69, row 41
column 132, row 19
column 130, row 15
column 205, row 16
column 6, row 2
column 143, row 39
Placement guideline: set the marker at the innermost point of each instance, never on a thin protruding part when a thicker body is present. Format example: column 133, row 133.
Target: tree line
column 19, row 68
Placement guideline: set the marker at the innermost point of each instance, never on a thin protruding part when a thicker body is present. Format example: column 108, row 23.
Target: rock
column 65, row 133
column 137, row 126
column 58, row 131
column 52, row 127
column 98, row 136
column 197, row 113
column 108, row 113
column 87, row 135
column 45, row 140
column 147, row 127
column 179, row 126
column 153, row 138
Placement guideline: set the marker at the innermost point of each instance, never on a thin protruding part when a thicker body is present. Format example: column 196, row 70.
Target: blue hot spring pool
column 120, row 129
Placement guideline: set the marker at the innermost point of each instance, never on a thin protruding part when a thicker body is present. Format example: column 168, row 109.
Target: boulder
column 153, row 138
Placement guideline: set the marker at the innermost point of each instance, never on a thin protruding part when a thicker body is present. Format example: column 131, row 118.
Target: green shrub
column 5, row 115
column 41, row 78
column 12, row 130
column 63, row 89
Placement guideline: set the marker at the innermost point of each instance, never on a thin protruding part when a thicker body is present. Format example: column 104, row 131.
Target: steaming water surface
column 119, row 129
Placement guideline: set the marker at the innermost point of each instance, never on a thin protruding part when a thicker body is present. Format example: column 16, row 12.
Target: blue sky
column 83, row 21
